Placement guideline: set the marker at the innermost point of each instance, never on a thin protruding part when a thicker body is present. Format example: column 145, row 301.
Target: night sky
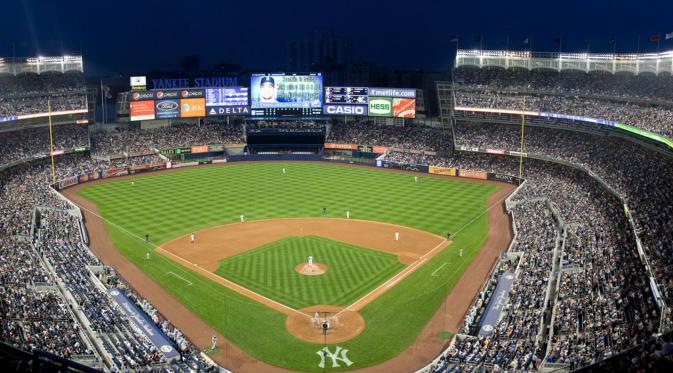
column 143, row 35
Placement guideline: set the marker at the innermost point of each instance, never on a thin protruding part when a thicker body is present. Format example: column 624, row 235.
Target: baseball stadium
column 511, row 214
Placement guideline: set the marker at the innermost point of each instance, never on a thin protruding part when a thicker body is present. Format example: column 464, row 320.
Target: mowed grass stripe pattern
column 168, row 205
column 161, row 204
column 269, row 270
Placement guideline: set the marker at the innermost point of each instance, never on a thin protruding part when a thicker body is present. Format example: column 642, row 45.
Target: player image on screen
column 286, row 91
column 267, row 90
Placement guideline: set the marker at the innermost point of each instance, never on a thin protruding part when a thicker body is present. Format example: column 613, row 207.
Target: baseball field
column 245, row 280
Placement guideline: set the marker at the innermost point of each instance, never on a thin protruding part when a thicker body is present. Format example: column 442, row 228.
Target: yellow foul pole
column 523, row 125
column 51, row 143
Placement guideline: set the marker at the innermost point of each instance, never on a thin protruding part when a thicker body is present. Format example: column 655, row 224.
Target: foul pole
column 51, row 143
column 523, row 125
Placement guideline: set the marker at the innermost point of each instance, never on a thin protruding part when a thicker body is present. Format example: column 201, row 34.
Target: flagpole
column 507, row 44
column 481, row 43
column 638, row 45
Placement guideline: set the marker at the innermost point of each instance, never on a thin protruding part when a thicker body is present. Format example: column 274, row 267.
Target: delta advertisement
column 227, row 101
column 192, row 107
column 141, row 110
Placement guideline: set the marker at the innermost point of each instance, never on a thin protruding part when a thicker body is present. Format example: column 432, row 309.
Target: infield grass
column 269, row 270
column 168, row 205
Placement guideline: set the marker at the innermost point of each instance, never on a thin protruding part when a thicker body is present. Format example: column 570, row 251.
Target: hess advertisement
column 286, row 91
column 192, row 107
column 380, row 106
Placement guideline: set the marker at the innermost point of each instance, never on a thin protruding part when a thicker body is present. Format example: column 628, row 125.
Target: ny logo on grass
column 325, row 352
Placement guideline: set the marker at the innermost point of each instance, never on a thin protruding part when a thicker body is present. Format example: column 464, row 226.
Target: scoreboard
column 346, row 95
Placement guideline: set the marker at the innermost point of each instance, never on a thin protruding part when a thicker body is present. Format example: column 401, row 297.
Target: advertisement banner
column 472, row 174
column 214, row 111
column 360, row 110
column 191, row 93
column 112, row 172
column 341, row 146
column 8, row 119
column 165, row 95
column 192, row 107
column 200, row 149
column 142, row 96
column 504, row 178
column 379, row 149
column 496, row 304
column 167, row 109
column 404, row 107
column 144, row 324
column 62, row 184
column 393, row 92
column 442, row 170
column 380, row 106
column 141, row 110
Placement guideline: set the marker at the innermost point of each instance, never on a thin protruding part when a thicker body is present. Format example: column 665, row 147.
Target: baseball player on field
column 192, row 237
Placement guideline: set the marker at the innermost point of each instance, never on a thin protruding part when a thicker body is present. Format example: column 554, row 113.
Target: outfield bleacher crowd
column 594, row 95
column 17, row 145
column 131, row 140
column 29, row 93
column 364, row 132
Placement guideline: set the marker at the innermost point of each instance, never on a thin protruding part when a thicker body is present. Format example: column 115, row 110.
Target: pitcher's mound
column 315, row 269
column 344, row 325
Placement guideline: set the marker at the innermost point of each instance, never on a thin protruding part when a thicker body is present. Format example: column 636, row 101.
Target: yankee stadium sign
column 198, row 82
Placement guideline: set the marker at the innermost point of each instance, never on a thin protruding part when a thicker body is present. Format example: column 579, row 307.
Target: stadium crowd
column 618, row 309
column 643, row 101
column 17, row 145
column 38, row 253
column 365, row 132
column 132, row 140
column 28, row 93
column 629, row 87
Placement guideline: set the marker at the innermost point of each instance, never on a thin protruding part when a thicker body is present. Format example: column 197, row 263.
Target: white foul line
column 437, row 270
column 393, row 280
column 180, row 277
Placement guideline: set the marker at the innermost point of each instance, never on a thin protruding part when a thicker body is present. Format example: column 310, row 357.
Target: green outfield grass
column 269, row 270
column 168, row 205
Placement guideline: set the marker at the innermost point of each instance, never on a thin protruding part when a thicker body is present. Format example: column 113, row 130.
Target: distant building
column 324, row 53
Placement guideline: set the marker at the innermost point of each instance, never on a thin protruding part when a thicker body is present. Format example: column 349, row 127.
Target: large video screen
column 286, row 94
